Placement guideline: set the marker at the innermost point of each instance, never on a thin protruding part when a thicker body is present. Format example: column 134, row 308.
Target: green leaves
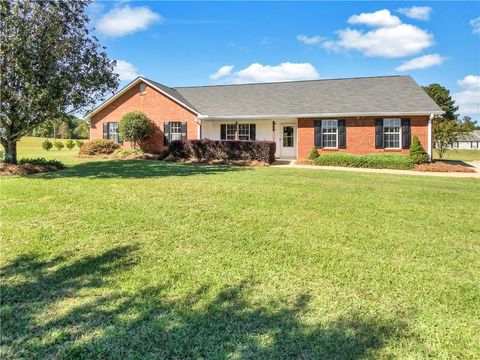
column 135, row 126
column 50, row 65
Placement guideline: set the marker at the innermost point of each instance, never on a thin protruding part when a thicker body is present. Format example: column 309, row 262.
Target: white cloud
column 310, row 40
column 421, row 62
column 271, row 73
column 126, row 71
column 125, row 20
column 475, row 25
column 416, row 12
column 469, row 99
column 222, row 72
column 390, row 42
column 380, row 18
column 470, row 82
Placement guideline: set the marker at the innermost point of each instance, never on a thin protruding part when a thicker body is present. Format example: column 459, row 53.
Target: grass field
column 459, row 155
column 31, row 147
column 153, row 260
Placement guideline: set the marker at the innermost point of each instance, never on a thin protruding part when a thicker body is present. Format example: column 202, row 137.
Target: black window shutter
column 342, row 136
column 378, row 133
column 166, row 133
column 223, row 131
column 253, row 129
column 318, row 133
column 406, row 134
column 183, row 128
column 105, row 130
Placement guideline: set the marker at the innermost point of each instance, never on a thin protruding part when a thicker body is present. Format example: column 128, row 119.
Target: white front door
column 288, row 141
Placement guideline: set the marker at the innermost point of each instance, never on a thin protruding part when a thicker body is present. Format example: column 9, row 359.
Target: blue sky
column 195, row 43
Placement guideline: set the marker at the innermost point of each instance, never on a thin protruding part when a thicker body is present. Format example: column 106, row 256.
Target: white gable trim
column 128, row 87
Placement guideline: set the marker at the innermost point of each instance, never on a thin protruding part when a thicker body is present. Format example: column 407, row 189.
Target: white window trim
column 238, row 132
column 227, row 133
column 175, row 133
column 111, row 134
column 336, row 135
column 399, row 135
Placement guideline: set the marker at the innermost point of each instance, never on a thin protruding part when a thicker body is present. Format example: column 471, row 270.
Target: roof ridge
column 292, row 81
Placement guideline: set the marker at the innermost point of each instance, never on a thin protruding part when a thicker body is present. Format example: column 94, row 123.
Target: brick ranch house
column 358, row 115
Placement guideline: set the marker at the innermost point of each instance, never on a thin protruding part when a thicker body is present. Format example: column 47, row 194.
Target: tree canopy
column 442, row 97
column 51, row 65
column 448, row 127
column 135, row 126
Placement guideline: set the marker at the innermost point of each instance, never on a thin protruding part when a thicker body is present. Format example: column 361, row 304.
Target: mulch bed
column 442, row 166
column 24, row 169
column 219, row 162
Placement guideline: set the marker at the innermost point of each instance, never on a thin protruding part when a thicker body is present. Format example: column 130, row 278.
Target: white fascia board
column 322, row 115
column 128, row 87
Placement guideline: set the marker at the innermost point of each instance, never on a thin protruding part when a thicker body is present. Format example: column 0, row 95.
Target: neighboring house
column 470, row 140
column 358, row 115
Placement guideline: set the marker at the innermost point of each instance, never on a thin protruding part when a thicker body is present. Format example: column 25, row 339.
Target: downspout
column 430, row 138
column 199, row 128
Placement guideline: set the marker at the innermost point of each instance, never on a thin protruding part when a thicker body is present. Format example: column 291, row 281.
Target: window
column 391, row 133
column 175, row 131
column 329, row 133
column 113, row 131
column 143, row 88
column 243, row 131
column 231, row 132
column 238, row 132
column 288, row 132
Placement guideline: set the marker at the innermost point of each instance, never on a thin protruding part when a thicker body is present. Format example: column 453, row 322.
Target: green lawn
column 32, row 147
column 459, row 155
column 147, row 259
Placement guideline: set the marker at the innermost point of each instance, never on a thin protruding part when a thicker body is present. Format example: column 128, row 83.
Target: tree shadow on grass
column 136, row 169
column 153, row 323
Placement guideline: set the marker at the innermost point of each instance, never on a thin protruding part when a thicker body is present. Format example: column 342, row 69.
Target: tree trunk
column 11, row 152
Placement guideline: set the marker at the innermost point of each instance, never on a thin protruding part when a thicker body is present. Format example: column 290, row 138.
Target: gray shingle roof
column 471, row 136
column 354, row 96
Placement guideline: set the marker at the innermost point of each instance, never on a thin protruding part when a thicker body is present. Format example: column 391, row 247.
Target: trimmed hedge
column 98, row 147
column 417, row 152
column 207, row 150
column 375, row 161
column 42, row 162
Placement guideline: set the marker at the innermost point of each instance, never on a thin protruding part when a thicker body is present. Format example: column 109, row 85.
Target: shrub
column 58, row 145
column 42, row 162
column 376, row 161
column 417, row 153
column 207, row 150
column 69, row 144
column 122, row 151
column 135, row 127
column 313, row 153
column 80, row 143
column 98, row 147
column 47, row 144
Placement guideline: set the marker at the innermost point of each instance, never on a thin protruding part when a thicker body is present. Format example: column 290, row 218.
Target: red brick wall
column 360, row 134
column 155, row 105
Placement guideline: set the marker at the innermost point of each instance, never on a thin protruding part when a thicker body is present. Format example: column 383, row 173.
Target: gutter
column 319, row 115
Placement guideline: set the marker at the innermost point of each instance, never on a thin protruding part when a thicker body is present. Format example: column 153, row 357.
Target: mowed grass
column 31, row 147
column 153, row 260
column 459, row 155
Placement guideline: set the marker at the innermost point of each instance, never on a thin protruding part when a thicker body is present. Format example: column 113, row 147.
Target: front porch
column 283, row 132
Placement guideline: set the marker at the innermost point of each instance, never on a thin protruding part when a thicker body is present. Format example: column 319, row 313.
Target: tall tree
column 442, row 97
column 447, row 128
column 50, row 66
